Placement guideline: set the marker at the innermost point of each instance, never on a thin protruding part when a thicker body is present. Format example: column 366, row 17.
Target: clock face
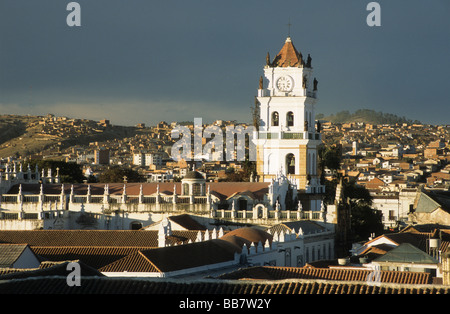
column 284, row 84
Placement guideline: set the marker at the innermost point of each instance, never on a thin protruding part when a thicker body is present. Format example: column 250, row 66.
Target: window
column 290, row 163
column 185, row 189
column 392, row 215
column 275, row 119
column 313, row 161
column 309, row 163
column 197, row 189
column 290, row 119
column 242, row 204
column 287, row 257
column 260, row 211
column 299, row 260
column 136, row 225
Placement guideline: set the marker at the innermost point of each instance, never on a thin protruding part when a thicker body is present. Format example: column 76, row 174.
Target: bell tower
column 288, row 138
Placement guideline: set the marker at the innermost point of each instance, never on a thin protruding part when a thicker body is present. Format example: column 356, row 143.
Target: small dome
column 193, row 175
column 249, row 234
column 237, row 241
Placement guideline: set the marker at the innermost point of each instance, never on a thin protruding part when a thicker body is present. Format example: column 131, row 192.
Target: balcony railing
column 289, row 135
column 292, row 136
column 271, row 214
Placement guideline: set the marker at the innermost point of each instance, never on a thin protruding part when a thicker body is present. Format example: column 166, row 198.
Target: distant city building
column 147, row 159
column 101, row 156
column 165, row 176
column 104, row 122
column 355, row 148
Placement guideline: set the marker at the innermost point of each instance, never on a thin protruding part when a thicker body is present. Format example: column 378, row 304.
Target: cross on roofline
column 289, row 28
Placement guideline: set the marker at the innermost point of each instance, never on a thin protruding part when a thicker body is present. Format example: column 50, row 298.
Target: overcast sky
column 134, row 61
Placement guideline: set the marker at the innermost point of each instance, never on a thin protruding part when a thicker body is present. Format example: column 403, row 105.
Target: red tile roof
column 223, row 190
column 186, row 221
column 248, row 235
column 94, row 256
column 112, row 238
column 176, row 257
column 10, row 253
column 417, row 238
column 288, row 56
column 47, row 269
column 136, row 262
column 156, row 286
column 344, row 274
column 376, row 251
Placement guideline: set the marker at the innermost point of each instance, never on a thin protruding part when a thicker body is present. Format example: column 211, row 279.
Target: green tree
column 249, row 169
column 117, row 174
column 358, row 194
column 329, row 157
column 69, row 172
column 364, row 220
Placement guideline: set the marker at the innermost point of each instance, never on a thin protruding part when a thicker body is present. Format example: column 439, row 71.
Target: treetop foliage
column 365, row 115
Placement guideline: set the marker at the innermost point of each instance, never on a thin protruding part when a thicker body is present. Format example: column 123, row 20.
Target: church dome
column 248, row 235
column 193, row 175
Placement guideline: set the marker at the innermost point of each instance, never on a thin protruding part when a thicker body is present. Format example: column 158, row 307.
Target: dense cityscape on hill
column 243, row 190
column 366, row 116
column 45, row 138
column 397, row 170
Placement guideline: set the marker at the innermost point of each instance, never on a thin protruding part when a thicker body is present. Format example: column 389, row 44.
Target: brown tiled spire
column 288, row 56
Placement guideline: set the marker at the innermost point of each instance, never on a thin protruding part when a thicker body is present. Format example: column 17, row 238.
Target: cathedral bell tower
column 288, row 138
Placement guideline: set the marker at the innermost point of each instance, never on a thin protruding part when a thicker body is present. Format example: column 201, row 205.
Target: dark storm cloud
column 146, row 61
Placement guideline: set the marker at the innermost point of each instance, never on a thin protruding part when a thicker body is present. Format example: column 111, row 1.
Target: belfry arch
column 290, row 118
column 275, row 118
column 290, row 164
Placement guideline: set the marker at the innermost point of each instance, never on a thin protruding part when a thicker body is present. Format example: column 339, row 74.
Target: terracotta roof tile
column 80, row 237
column 175, row 257
column 417, row 239
column 249, row 235
column 10, row 253
column 186, row 221
column 136, row 262
column 94, row 256
column 288, row 56
column 47, row 269
column 344, row 274
column 294, row 226
column 375, row 251
column 153, row 286
column 222, row 190
column 112, row 238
